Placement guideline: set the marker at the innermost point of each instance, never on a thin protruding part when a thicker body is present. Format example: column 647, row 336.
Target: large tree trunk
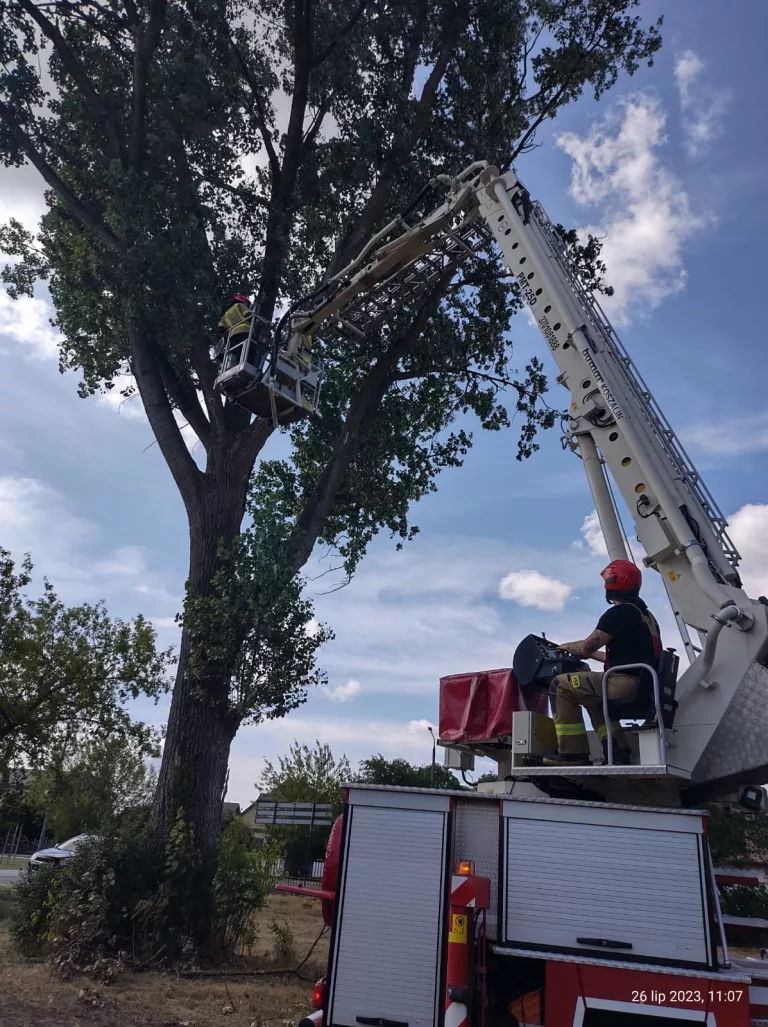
column 201, row 725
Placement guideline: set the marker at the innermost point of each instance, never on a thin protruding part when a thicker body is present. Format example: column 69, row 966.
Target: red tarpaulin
column 477, row 707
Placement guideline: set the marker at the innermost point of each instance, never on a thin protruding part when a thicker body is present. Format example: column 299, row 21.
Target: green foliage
column 241, row 886
column 284, row 946
column 738, row 900
column 66, row 673
column 378, row 771
column 117, row 901
column 305, row 775
column 254, row 623
column 87, row 788
column 736, row 839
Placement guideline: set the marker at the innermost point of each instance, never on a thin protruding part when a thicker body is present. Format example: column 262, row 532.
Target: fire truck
column 555, row 896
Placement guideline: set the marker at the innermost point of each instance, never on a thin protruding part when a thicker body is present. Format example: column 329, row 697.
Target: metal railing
column 625, row 668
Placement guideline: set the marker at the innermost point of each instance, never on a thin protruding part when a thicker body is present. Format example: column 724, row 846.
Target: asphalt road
column 8, row 875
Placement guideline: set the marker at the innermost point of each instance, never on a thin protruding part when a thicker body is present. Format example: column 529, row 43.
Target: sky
column 668, row 168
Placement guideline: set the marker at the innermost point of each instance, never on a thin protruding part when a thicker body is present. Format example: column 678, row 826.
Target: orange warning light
column 466, row 868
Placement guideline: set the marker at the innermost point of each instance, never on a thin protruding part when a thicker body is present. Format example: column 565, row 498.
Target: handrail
column 656, row 698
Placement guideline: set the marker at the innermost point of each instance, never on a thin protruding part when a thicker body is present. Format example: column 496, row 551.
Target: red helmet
column 621, row 576
column 239, row 298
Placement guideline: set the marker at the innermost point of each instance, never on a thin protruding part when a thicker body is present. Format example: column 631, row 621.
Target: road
column 8, row 875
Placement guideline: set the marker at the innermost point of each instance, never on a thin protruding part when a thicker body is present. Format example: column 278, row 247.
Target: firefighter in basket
column 235, row 325
column 630, row 634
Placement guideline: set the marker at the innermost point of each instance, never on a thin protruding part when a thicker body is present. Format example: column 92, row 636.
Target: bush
column 738, row 900
column 33, row 910
column 285, row 944
column 241, row 886
column 122, row 900
column 94, row 911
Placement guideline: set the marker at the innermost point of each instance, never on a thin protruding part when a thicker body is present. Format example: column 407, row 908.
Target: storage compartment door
column 625, row 892
column 387, row 948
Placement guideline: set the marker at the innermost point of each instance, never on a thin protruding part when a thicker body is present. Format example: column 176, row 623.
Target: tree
column 66, row 673
column 154, row 111
column 378, row 771
column 305, row 775
column 88, row 789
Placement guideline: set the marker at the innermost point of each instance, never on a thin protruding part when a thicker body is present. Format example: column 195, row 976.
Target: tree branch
column 410, row 135
column 205, row 369
column 362, row 410
column 314, row 128
column 182, row 393
column 144, row 366
column 328, row 50
column 88, row 218
column 145, row 49
column 73, row 67
column 261, row 118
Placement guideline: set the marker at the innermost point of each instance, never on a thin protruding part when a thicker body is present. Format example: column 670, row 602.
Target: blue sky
column 669, row 167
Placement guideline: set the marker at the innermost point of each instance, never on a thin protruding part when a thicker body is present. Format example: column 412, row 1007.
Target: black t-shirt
column 631, row 641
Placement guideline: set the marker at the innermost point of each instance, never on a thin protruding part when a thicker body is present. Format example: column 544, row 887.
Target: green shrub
column 33, row 910
column 738, row 900
column 240, row 887
column 285, row 944
column 125, row 899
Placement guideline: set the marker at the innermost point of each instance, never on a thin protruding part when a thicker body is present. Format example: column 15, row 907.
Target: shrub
column 33, row 910
column 242, row 883
column 285, row 944
column 738, row 900
column 121, row 900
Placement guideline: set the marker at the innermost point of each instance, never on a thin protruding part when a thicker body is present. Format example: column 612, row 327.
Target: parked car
column 58, row 854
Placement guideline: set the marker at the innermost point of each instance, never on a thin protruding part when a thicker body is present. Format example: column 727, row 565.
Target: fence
column 14, row 843
column 311, row 878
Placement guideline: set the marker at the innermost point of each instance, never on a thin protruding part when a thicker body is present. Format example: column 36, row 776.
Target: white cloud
column 530, row 588
column 26, row 321
column 732, row 436
column 344, row 693
column 703, row 107
column 312, row 627
column 749, row 531
column 593, row 535
column 126, row 406
column 645, row 214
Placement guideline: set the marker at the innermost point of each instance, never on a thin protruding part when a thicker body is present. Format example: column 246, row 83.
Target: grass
column 34, row 995
column 14, row 861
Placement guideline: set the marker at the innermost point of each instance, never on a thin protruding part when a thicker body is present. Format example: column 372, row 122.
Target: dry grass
column 34, row 995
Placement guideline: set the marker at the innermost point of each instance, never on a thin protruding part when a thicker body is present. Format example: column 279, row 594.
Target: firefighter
column 630, row 634
column 235, row 324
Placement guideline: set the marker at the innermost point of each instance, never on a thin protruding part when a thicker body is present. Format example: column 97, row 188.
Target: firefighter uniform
column 634, row 638
column 572, row 691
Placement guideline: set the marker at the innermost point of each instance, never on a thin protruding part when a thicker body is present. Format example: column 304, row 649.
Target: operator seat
column 640, row 705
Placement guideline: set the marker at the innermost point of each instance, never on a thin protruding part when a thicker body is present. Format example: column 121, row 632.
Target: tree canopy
column 201, row 147
column 88, row 789
column 67, row 673
column 378, row 771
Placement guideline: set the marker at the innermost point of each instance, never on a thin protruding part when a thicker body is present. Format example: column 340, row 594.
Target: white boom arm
column 721, row 728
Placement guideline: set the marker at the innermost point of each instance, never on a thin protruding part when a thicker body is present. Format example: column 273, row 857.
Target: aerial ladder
column 713, row 737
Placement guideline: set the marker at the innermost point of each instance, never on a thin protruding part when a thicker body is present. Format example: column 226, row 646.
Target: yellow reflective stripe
column 575, row 680
column 570, row 729
column 602, row 730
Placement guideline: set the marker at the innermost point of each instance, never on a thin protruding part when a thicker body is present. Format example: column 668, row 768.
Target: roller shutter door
column 388, row 939
column 641, row 887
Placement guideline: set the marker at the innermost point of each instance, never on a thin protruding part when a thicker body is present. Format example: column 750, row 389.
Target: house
column 248, row 817
column 229, row 811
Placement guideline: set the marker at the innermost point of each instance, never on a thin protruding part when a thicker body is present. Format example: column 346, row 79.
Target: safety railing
column 625, row 668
